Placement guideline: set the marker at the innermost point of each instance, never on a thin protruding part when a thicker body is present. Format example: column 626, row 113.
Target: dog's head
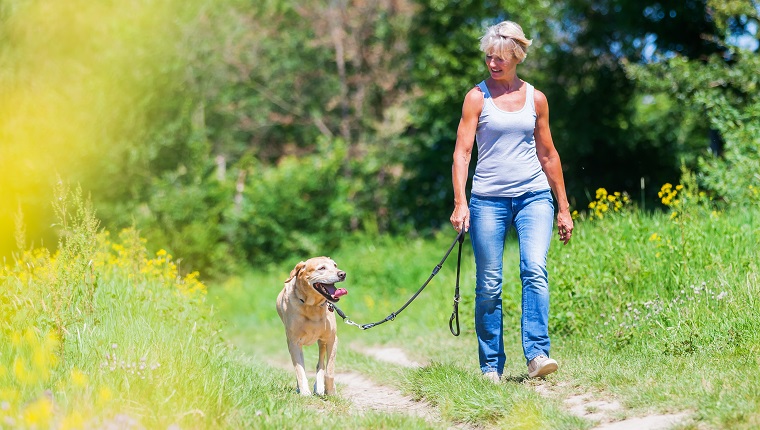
column 318, row 276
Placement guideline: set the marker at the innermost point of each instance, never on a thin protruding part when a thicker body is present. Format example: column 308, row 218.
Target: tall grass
column 102, row 332
column 663, row 308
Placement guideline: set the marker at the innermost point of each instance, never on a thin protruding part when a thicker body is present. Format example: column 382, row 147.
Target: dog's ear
column 294, row 272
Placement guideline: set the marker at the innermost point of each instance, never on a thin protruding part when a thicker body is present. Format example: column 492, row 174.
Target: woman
column 517, row 170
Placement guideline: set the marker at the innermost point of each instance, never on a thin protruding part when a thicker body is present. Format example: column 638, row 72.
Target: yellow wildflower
column 38, row 413
column 191, row 286
column 104, row 396
column 20, row 371
column 16, row 338
column 73, row 421
column 78, row 378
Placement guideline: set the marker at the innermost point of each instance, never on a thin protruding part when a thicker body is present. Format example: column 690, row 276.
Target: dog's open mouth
column 329, row 291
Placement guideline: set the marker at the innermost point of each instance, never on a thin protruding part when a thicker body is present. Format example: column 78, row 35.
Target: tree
column 722, row 90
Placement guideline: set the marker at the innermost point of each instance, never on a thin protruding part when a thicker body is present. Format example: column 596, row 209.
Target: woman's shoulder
column 539, row 98
column 475, row 91
column 473, row 103
column 474, row 95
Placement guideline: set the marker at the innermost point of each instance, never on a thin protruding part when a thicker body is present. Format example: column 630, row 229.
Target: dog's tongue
column 340, row 292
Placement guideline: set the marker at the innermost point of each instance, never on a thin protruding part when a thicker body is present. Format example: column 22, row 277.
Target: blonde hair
column 505, row 39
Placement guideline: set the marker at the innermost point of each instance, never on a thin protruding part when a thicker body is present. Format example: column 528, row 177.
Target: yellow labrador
column 303, row 306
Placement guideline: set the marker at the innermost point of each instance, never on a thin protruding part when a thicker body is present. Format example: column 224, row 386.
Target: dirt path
column 606, row 412
column 367, row 395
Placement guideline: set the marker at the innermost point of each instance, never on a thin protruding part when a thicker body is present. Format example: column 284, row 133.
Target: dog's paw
column 320, row 391
column 305, row 392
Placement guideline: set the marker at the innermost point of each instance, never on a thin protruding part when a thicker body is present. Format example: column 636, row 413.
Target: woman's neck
column 507, row 84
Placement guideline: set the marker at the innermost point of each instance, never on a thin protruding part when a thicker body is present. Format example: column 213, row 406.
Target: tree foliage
column 723, row 90
column 232, row 131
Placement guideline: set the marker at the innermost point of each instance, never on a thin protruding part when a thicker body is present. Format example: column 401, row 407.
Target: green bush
column 734, row 176
column 186, row 214
column 300, row 207
column 259, row 214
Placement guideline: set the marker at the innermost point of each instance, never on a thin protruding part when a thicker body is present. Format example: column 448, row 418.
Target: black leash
column 454, row 315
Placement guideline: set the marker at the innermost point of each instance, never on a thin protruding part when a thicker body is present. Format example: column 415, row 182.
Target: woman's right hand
column 460, row 217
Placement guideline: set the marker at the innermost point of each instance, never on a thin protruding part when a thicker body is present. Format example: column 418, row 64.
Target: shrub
column 302, row 206
column 734, row 175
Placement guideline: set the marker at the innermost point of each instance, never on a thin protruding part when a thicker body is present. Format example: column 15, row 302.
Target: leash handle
column 455, row 313
column 455, row 318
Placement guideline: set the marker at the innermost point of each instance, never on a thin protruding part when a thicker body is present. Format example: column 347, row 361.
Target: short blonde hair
column 505, row 39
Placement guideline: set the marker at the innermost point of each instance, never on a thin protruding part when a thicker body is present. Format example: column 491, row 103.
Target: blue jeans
column 532, row 214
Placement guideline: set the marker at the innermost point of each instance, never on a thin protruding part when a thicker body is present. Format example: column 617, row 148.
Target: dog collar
column 295, row 292
column 326, row 302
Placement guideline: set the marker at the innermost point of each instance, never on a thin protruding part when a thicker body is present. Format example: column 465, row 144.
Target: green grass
column 657, row 312
column 102, row 334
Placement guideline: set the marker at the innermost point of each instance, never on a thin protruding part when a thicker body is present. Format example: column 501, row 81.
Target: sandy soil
column 607, row 412
column 365, row 394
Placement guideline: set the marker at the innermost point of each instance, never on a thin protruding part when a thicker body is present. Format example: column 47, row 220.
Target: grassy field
column 658, row 311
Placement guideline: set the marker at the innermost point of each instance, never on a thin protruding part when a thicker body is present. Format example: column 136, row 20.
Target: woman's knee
column 534, row 273
column 488, row 291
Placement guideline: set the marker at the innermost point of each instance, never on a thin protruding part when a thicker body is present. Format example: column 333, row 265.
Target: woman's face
column 499, row 66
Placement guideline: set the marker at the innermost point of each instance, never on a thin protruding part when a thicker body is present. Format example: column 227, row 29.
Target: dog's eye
column 322, row 268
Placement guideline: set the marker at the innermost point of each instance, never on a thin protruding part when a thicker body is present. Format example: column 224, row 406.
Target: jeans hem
column 545, row 354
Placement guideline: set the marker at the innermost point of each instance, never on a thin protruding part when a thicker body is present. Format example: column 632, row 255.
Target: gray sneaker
column 492, row 376
column 541, row 366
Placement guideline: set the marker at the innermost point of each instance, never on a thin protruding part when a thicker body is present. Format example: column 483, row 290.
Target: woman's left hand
column 565, row 226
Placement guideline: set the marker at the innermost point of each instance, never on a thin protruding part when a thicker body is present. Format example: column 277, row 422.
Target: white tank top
column 507, row 162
